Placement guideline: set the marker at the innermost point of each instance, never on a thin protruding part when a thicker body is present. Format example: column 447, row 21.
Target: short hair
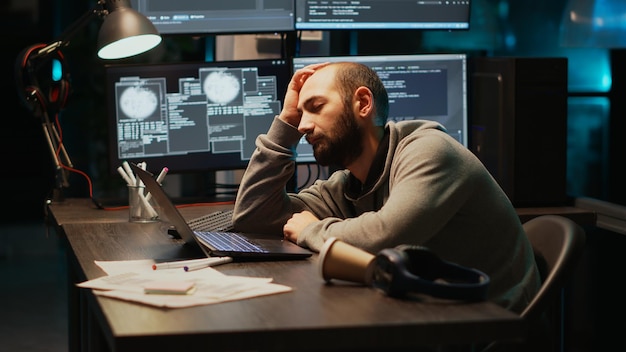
column 352, row 75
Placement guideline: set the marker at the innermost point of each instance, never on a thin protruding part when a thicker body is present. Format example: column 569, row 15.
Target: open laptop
column 239, row 246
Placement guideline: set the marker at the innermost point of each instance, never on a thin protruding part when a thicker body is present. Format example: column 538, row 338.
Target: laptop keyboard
column 214, row 229
column 221, row 220
column 228, row 241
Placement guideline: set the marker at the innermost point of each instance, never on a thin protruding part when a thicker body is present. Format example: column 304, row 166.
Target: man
column 406, row 183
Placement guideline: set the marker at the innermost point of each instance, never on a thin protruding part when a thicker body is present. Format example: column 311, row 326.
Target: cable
column 283, row 45
column 59, row 148
column 298, row 43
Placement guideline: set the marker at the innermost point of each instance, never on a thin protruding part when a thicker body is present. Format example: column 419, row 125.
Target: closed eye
column 316, row 108
column 314, row 104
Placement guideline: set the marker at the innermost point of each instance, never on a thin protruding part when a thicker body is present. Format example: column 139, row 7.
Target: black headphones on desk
column 407, row 268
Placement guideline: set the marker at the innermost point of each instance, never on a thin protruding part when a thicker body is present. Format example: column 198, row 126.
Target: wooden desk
column 83, row 210
column 315, row 316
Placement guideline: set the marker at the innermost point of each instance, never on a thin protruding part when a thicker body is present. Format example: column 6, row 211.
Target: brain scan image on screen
column 221, row 87
column 138, row 102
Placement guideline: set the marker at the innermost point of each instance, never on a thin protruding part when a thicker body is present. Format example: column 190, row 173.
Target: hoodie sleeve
column 429, row 181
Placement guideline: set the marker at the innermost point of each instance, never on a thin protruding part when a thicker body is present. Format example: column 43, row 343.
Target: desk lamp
column 124, row 33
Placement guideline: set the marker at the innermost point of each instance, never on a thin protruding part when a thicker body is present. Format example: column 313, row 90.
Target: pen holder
column 141, row 206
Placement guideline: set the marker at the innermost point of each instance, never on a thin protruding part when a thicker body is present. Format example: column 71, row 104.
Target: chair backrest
column 558, row 243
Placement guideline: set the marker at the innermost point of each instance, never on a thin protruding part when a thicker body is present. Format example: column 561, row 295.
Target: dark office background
column 521, row 28
column 498, row 28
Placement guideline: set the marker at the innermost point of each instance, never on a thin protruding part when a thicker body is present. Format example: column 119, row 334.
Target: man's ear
column 364, row 102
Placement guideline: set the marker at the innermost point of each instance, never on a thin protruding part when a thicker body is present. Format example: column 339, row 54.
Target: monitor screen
column 218, row 17
column 192, row 116
column 422, row 86
column 381, row 14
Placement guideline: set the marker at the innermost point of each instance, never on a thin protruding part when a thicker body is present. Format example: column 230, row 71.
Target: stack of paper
column 135, row 280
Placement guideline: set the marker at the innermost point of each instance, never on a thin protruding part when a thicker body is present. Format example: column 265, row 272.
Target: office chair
column 558, row 243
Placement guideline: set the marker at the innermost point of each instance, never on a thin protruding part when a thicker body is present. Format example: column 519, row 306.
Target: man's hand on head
column 290, row 113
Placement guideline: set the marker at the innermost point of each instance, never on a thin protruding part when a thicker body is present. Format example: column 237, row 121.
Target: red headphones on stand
column 46, row 95
column 45, row 98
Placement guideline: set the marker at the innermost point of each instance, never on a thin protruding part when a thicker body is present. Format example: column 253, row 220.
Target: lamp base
column 57, row 196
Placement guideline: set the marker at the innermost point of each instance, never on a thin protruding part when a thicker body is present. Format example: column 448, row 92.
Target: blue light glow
column 57, row 70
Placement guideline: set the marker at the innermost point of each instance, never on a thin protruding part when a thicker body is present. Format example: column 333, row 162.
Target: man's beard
column 341, row 147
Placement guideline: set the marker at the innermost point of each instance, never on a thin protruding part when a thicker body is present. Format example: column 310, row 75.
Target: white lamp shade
column 124, row 33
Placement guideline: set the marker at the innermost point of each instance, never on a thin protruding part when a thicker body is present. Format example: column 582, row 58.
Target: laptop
column 239, row 246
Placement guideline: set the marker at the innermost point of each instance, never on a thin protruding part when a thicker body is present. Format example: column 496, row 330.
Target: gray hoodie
column 432, row 192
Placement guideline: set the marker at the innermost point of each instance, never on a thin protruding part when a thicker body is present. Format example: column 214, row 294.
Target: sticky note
column 170, row 287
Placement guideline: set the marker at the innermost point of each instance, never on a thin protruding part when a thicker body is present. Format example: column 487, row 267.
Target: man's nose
column 306, row 124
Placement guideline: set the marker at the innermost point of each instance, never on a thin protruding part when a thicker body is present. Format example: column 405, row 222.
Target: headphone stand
column 45, row 101
column 60, row 156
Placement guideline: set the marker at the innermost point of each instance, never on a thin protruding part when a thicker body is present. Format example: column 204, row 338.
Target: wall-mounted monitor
column 381, row 14
column 218, row 17
column 421, row 86
column 192, row 116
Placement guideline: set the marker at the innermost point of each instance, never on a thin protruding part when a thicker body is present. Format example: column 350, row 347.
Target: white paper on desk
column 211, row 287
column 124, row 266
column 182, row 301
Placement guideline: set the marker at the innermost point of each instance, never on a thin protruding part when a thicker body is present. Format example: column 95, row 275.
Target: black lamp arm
column 99, row 10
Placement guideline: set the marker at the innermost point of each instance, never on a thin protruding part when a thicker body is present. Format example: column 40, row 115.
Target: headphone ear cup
column 57, row 96
column 409, row 257
column 421, row 261
column 388, row 272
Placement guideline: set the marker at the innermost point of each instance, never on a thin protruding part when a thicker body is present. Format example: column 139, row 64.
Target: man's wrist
column 284, row 133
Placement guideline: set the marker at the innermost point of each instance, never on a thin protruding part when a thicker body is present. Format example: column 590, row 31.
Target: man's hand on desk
column 297, row 223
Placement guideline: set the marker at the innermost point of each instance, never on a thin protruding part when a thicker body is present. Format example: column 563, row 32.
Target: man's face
column 330, row 126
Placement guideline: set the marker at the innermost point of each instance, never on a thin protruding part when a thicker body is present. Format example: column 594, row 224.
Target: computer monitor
column 381, row 14
column 192, row 117
column 218, row 17
column 420, row 86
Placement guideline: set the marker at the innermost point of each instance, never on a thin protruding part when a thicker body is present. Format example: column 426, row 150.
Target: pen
column 180, row 263
column 215, row 261
column 129, row 172
column 122, row 173
column 159, row 180
column 162, row 174
column 142, row 165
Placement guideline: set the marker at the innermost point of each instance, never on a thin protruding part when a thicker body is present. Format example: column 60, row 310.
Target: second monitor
column 420, row 86
column 192, row 116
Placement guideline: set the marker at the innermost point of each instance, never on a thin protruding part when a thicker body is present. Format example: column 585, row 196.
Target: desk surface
column 84, row 211
column 314, row 316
